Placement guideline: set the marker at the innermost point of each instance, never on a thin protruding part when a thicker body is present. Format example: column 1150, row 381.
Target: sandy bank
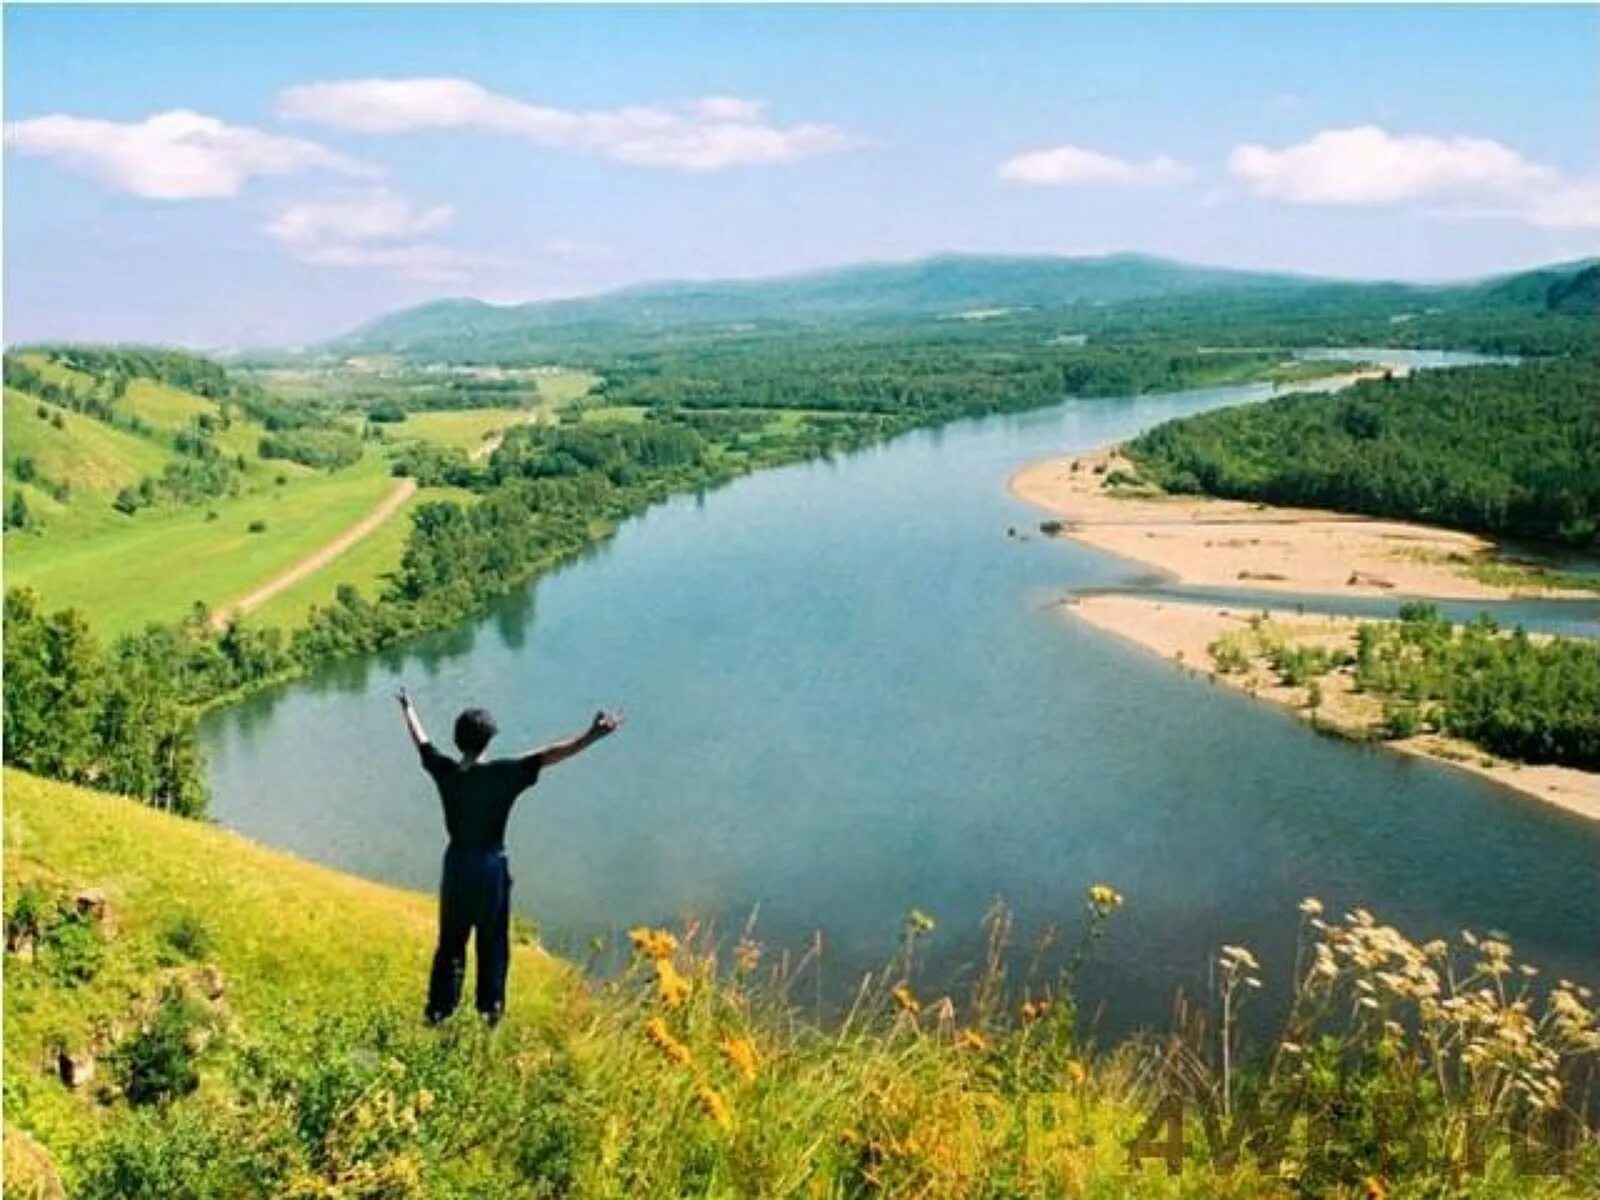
column 1231, row 543
column 1183, row 632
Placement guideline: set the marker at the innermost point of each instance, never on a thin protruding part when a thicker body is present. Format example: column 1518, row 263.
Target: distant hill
column 1579, row 293
column 948, row 286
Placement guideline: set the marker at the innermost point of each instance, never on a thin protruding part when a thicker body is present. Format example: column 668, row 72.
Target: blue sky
column 252, row 176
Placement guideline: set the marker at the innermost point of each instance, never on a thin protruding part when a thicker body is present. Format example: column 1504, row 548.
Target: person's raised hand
column 403, row 696
column 605, row 724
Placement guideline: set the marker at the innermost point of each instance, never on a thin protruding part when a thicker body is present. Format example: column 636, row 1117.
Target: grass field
column 365, row 565
column 155, row 565
column 463, row 429
column 126, row 571
column 87, row 454
column 163, row 406
column 54, row 372
column 297, row 943
column 563, row 387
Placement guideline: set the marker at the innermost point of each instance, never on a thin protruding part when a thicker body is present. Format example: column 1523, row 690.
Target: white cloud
column 372, row 214
column 1075, row 166
column 702, row 135
column 421, row 261
column 177, row 155
column 372, row 228
column 1368, row 165
column 1462, row 176
column 729, row 108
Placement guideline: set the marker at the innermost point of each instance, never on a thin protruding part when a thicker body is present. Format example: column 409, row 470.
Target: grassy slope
column 464, row 429
column 125, row 572
column 295, row 941
column 155, row 565
column 595, row 1091
column 87, row 454
column 365, row 565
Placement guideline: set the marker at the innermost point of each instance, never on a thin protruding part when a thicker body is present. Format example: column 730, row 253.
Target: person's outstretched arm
column 419, row 735
column 433, row 762
column 603, row 726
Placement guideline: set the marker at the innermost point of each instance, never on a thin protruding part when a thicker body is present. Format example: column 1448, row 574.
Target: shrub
column 75, row 951
column 188, row 936
column 158, row 1064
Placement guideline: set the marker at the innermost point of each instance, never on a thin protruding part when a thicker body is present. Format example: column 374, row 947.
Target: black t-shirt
column 478, row 797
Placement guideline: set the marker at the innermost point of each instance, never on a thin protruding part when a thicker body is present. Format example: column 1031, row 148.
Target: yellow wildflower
column 1373, row 1188
column 671, row 985
column 714, row 1106
column 741, row 1052
column 1076, row 1071
column 972, row 1040
column 425, row 1099
column 919, row 922
column 655, row 944
column 1104, row 899
column 906, row 999
column 1032, row 1010
column 655, row 1029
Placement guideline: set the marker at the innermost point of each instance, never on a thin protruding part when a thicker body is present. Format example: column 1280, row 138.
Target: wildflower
column 1104, row 899
column 659, row 1036
column 671, row 986
column 1235, row 957
column 919, row 922
column 746, row 956
column 1032, row 1010
column 741, row 1052
column 1290, row 1047
column 1374, row 1189
column 425, row 1099
column 714, row 1106
column 654, row 944
column 1076, row 1071
column 1311, row 906
column 906, row 999
column 971, row 1039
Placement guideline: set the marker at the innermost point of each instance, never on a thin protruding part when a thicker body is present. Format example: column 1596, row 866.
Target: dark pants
column 474, row 897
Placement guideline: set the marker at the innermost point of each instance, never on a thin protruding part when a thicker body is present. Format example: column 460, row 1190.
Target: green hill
column 951, row 287
column 189, row 1015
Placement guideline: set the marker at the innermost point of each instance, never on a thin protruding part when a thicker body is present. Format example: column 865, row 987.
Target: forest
column 1534, row 701
column 1511, row 450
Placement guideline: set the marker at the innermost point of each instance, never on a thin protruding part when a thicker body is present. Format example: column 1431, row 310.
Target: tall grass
column 1399, row 1070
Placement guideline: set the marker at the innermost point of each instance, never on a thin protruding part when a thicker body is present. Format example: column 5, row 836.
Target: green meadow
column 155, row 565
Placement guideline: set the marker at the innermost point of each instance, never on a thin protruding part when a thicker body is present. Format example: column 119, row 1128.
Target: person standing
column 475, row 887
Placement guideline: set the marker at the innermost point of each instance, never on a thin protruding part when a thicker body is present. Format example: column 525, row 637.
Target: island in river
column 1097, row 499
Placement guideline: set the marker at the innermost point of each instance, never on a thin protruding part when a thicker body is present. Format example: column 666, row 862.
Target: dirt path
column 325, row 554
column 321, row 557
column 494, row 441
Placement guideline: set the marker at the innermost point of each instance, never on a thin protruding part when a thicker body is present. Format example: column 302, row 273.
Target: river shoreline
column 1208, row 542
column 1182, row 633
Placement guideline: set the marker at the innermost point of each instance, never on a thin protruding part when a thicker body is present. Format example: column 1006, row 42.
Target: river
column 849, row 692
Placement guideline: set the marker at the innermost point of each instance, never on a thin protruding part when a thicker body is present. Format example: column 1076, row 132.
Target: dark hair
column 474, row 728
